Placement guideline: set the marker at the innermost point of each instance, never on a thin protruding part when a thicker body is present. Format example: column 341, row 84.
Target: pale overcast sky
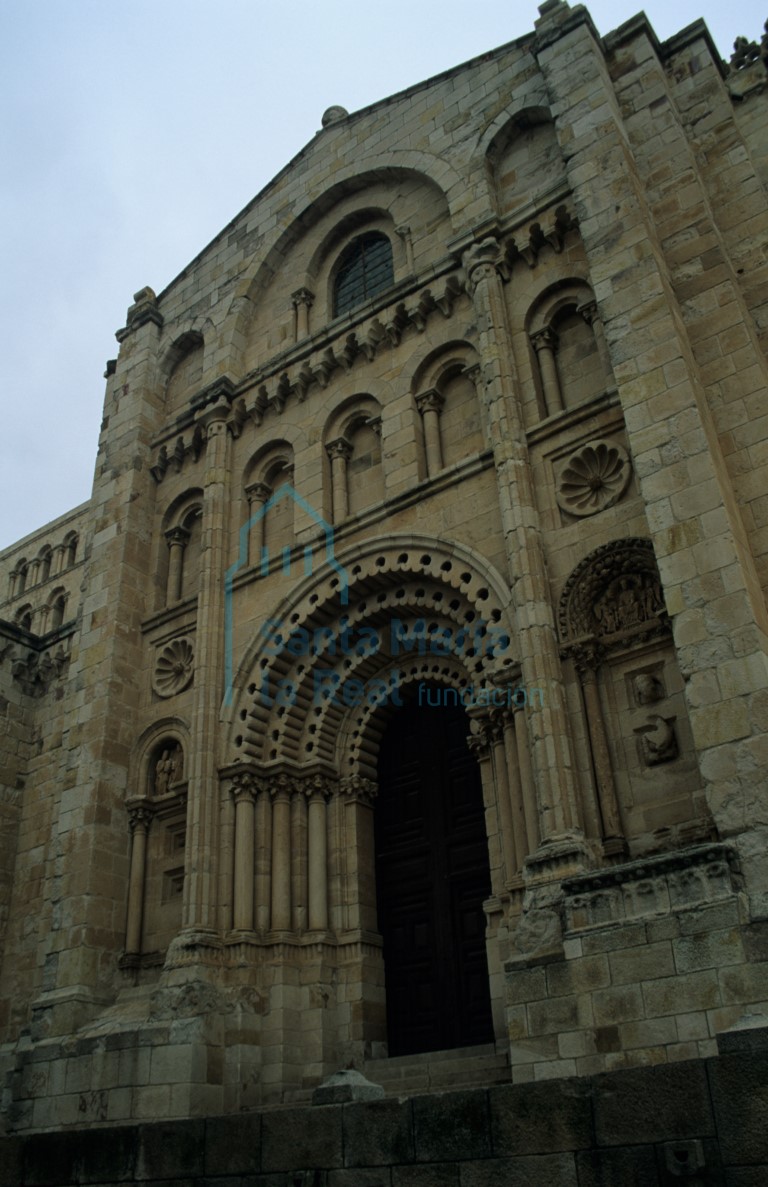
column 132, row 133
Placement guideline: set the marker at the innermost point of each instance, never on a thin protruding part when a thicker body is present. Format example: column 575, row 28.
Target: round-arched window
column 365, row 268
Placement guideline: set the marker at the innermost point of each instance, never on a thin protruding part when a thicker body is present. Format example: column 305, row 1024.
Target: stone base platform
column 701, row 1121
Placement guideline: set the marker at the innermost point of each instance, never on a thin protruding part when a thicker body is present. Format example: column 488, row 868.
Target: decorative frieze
column 650, row 886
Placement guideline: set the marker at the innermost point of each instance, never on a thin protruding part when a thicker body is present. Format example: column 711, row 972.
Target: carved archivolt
column 615, row 590
column 174, row 667
column 594, row 478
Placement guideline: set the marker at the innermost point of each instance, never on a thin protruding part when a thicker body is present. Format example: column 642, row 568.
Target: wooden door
column 432, row 876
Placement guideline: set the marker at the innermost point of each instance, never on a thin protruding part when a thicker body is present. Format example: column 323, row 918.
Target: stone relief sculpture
column 169, row 769
column 614, row 590
column 174, row 668
column 594, row 478
column 658, row 742
column 647, row 689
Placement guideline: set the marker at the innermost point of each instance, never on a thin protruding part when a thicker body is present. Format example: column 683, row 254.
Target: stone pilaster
column 699, row 536
column 203, row 811
column 551, row 747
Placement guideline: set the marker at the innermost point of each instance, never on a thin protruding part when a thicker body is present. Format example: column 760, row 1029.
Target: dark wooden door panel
column 432, row 876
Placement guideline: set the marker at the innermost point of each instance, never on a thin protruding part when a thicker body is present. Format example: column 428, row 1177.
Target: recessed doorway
column 432, row 875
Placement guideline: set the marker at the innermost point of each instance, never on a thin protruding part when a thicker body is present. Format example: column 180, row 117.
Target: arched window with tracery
column 365, row 268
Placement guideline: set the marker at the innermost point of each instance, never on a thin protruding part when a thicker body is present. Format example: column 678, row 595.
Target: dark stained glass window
column 365, row 269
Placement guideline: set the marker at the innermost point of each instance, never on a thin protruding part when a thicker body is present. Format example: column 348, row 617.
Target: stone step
column 403, row 1075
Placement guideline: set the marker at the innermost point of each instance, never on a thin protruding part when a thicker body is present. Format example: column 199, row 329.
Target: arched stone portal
column 318, row 698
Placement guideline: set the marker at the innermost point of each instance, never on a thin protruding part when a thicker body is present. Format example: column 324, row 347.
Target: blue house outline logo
column 283, row 491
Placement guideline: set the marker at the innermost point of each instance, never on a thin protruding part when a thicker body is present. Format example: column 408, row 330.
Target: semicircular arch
column 406, row 596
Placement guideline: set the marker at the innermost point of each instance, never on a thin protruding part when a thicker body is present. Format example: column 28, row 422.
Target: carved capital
column 258, row 492
column 244, row 787
column 358, row 790
column 340, row 448
column 317, row 787
column 475, row 373
column 178, row 536
column 430, row 401
column 480, row 740
column 139, row 817
column 589, row 312
column 282, row 788
column 482, row 261
column 302, row 296
column 587, row 658
column 545, row 339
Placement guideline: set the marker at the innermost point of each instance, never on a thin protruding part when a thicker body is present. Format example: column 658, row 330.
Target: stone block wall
column 699, row 1121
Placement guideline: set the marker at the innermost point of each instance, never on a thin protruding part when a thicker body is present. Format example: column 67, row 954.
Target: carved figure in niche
column 629, row 601
column 647, row 689
column 653, row 603
column 168, row 769
column 657, row 740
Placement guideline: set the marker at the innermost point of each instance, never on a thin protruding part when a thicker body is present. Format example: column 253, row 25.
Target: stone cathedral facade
column 399, row 699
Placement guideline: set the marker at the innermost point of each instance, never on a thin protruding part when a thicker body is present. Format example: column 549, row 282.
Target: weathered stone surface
column 739, row 1088
column 292, row 1139
column 634, row 1166
column 540, row 1118
column 451, row 1125
column 233, row 1144
column 660, row 1103
column 91, row 1157
column 175, row 1148
column 378, row 1133
column 527, row 1172
column 425, row 1176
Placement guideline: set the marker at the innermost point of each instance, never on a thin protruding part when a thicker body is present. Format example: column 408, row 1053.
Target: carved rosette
column 174, row 667
column 594, row 478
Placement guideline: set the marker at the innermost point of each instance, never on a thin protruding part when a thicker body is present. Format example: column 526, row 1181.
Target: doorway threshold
column 434, row 1071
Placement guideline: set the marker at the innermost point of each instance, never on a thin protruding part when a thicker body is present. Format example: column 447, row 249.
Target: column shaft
column 318, row 863
column 606, row 788
column 519, row 829
column 244, row 861
column 281, row 861
column 203, row 810
column 530, row 806
column 550, row 378
column 135, row 914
